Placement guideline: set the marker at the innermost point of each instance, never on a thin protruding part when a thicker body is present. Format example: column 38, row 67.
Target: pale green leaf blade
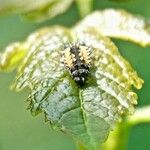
column 87, row 113
column 114, row 75
column 62, row 101
column 43, row 55
column 12, row 56
column 107, row 58
column 55, row 93
column 48, row 11
column 119, row 24
column 35, row 10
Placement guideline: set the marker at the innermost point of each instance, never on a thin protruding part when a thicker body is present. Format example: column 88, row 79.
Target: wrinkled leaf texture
column 86, row 113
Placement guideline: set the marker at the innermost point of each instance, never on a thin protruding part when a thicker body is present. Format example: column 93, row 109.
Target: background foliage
column 18, row 128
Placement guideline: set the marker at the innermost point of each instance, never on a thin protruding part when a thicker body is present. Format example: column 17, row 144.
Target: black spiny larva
column 77, row 59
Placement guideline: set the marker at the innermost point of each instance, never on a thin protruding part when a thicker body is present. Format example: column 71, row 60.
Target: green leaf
column 35, row 10
column 86, row 113
column 12, row 56
column 118, row 24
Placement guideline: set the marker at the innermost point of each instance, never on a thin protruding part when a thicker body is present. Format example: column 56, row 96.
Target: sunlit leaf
column 12, row 56
column 35, row 10
column 86, row 113
column 119, row 24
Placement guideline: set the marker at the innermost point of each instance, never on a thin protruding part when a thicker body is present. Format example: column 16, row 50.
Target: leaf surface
column 86, row 113
column 118, row 24
column 35, row 10
column 12, row 56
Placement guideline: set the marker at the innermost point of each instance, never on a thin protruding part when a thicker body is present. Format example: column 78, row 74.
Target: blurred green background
column 19, row 130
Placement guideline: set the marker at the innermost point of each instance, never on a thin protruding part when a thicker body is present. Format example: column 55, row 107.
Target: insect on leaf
column 88, row 112
column 55, row 61
column 119, row 24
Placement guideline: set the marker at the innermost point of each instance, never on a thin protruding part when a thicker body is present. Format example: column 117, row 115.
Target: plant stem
column 85, row 7
column 118, row 138
column 80, row 147
column 141, row 115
